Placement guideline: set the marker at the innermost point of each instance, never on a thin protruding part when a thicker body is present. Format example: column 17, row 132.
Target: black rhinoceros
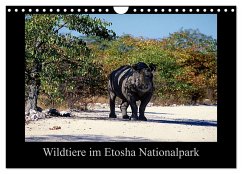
column 131, row 84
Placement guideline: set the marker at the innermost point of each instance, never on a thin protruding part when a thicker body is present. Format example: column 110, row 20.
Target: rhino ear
column 152, row 67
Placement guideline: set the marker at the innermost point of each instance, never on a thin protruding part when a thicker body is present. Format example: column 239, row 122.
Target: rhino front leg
column 123, row 107
column 134, row 109
column 142, row 107
column 112, row 98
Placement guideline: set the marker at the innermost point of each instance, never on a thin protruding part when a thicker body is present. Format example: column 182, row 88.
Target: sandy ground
column 165, row 124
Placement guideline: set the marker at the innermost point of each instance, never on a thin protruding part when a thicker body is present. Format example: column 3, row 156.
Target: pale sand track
column 165, row 124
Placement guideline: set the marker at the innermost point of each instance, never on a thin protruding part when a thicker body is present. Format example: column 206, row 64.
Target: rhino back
column 118, row 78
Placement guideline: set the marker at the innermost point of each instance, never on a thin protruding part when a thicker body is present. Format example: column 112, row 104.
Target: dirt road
column 165, row 124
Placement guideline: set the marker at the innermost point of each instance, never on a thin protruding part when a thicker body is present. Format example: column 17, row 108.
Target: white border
column 122, row 10
column 116, row 3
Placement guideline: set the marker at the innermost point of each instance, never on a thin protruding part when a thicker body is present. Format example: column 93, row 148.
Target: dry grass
column 83, row 102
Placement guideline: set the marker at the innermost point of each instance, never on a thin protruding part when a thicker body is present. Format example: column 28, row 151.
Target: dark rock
column 54, row 112
column 39, row 109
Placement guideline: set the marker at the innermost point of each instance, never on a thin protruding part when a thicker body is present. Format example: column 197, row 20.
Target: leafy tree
column 54, row 60
column 196, row 55
column 186, row 62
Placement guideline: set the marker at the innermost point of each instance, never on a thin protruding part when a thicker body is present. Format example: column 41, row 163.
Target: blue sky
column 157, row 26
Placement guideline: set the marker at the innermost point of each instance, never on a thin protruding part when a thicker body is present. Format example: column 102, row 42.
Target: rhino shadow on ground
column 106, row 111
column 192, row 122
column 156, row 119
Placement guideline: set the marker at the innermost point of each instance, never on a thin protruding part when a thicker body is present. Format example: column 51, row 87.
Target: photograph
column 120, row 78
column 114, row 87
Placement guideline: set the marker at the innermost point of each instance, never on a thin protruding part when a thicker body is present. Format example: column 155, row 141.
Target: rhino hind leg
column 123, row 107
column 112, row 98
